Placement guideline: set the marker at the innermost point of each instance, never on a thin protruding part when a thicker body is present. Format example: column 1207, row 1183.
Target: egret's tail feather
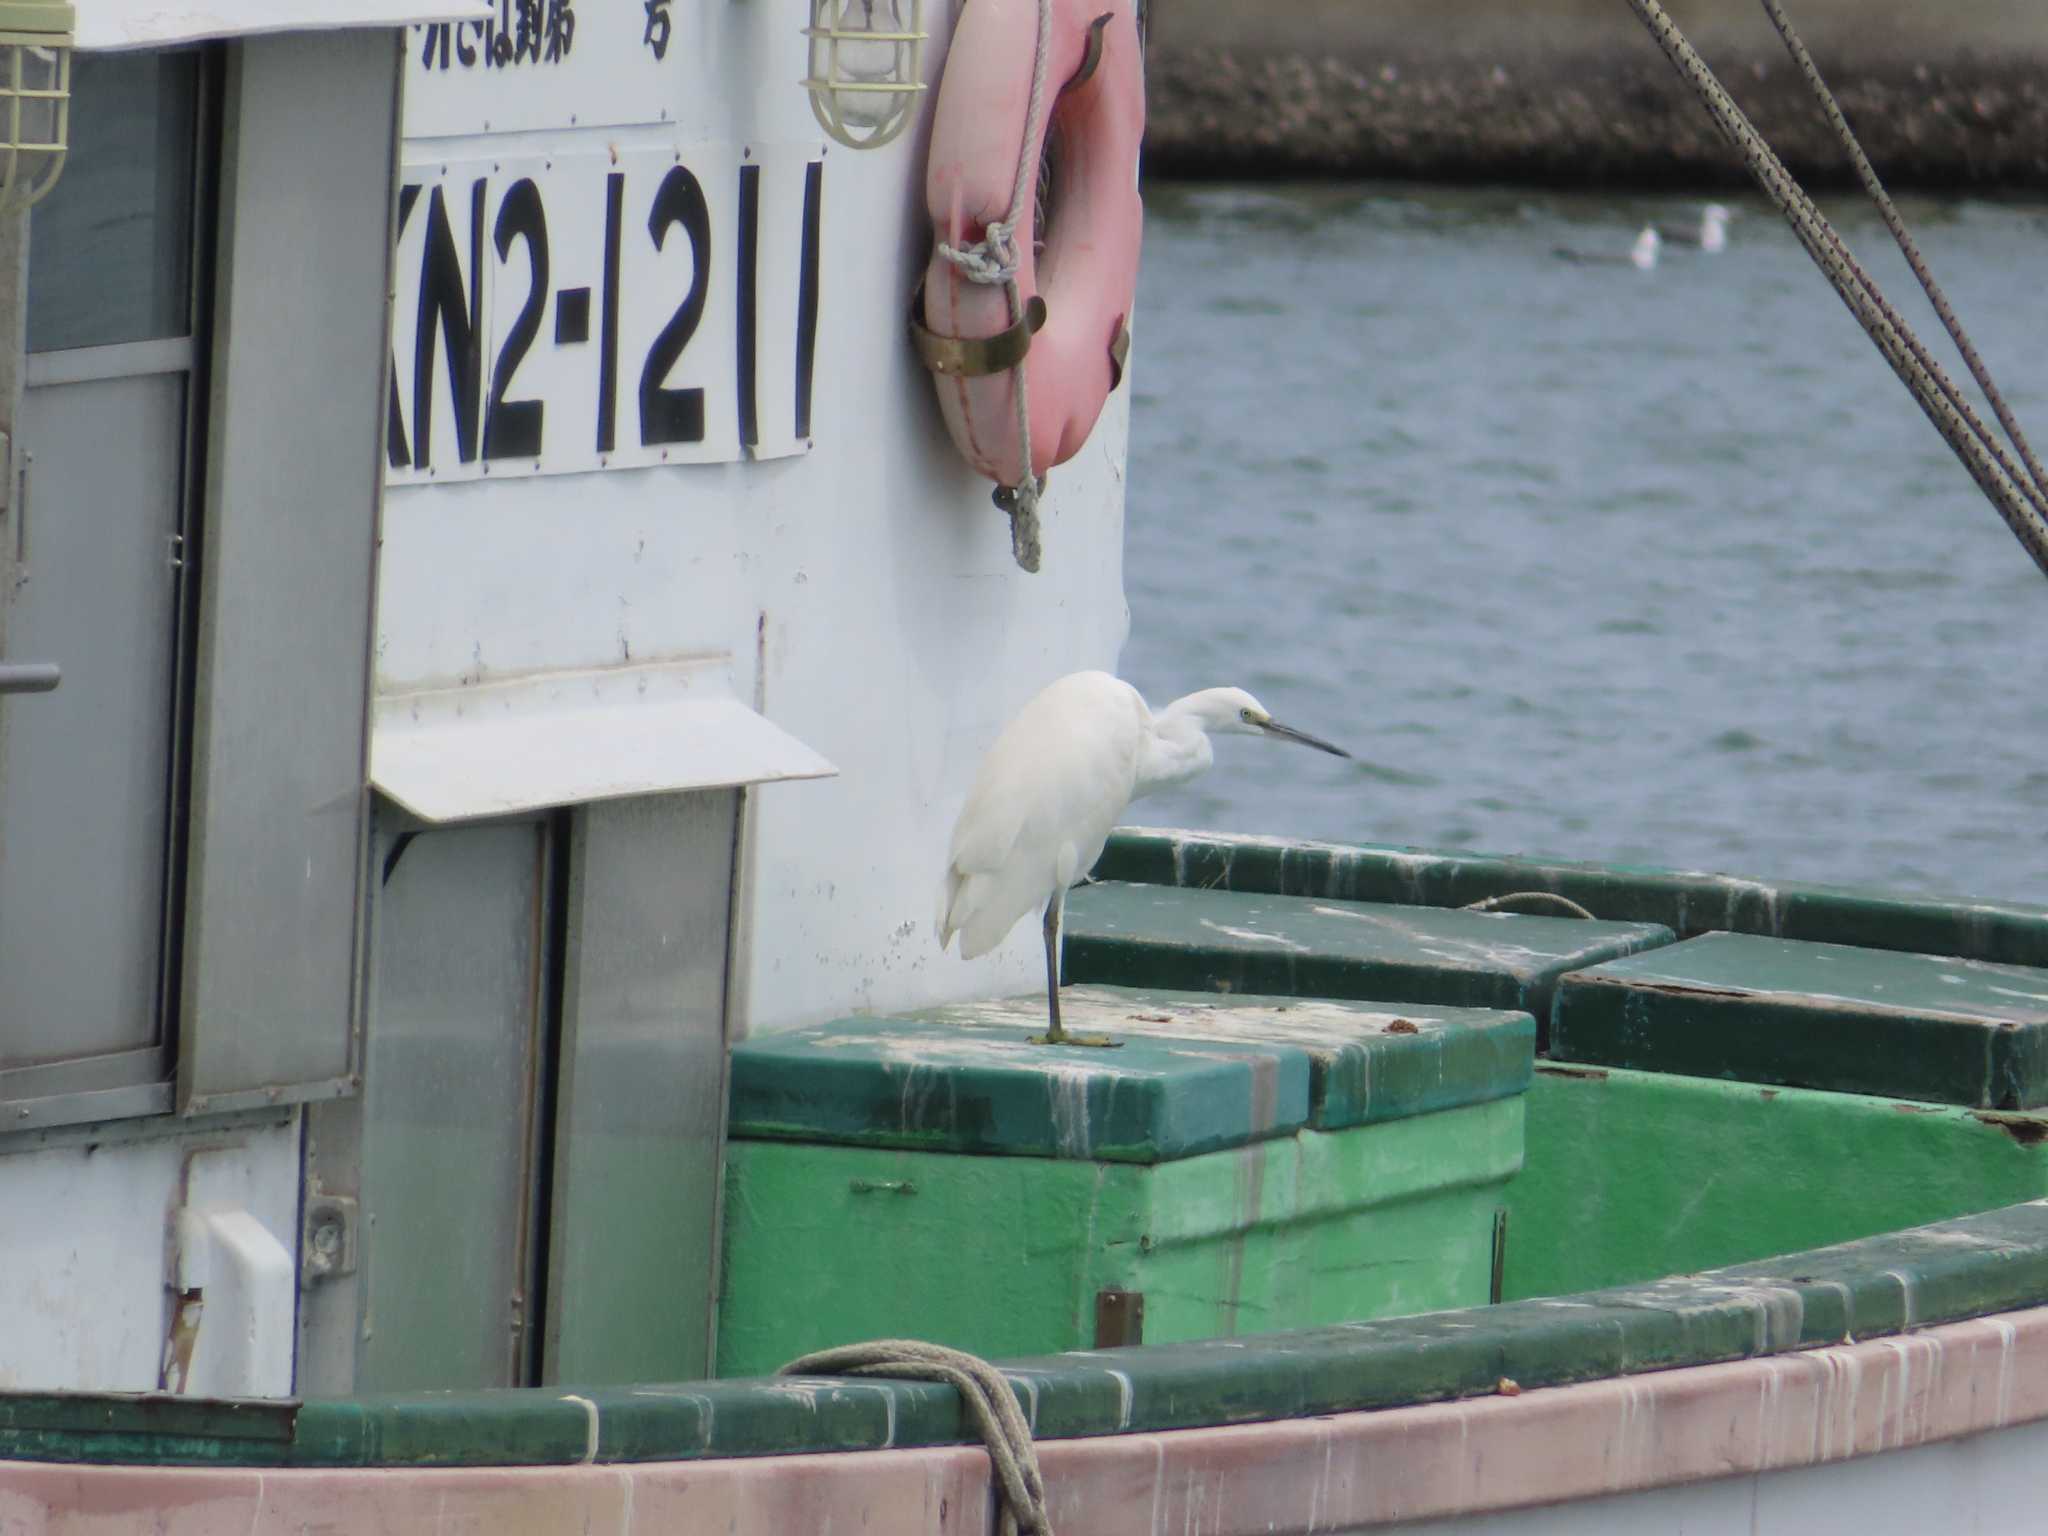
column 949, row 893
column 973, row 907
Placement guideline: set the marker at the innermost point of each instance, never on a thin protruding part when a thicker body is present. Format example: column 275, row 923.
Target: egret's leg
column 1055, row 1035
column 1054, row 911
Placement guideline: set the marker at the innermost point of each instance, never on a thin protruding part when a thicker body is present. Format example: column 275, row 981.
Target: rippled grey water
column 1660, row 567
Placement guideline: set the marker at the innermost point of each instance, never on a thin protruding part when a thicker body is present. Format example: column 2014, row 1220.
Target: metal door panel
column 640, row 1131
column 84, row 770
column 449, row 1110
column 289, row 528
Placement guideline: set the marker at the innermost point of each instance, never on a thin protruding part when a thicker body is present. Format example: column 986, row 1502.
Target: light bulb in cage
column 35, row 98
column 867, row 67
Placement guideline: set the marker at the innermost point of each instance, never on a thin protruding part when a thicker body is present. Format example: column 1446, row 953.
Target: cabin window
column 183, row 820
column 112, row 256
column 96, row 537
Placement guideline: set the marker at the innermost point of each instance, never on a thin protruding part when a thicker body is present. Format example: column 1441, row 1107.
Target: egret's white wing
column 1042, row 806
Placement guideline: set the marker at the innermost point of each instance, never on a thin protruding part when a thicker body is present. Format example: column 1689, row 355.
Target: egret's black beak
column 1289, row 733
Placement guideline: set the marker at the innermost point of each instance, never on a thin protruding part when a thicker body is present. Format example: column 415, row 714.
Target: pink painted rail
column 1803, row 1409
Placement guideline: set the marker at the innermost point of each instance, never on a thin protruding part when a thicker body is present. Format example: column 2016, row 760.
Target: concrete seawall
column 1945, row 94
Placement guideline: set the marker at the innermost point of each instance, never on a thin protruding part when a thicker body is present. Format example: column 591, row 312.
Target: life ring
column 1077, row 276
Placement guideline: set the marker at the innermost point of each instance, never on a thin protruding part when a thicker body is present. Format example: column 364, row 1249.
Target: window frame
column 138, row 1081
column 261, row 977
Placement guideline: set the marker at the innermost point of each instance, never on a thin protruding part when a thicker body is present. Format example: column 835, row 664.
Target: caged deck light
column 867, row 67
column 35, row 98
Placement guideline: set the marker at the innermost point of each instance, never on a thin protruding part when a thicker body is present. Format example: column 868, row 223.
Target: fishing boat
column 502, row 607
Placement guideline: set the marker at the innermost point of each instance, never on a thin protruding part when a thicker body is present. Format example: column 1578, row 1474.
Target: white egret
column 1053, row 785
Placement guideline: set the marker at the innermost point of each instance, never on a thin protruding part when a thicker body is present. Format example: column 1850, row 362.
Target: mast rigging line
column 2018, row 491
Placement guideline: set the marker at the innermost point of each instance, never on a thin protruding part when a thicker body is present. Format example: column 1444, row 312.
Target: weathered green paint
column 1632, row 1175
column 942, row 1086
column 963, row 1077
column 1972, row 1267
column 1764, row 1010
column 1367, row 1062
column 1299, row 946
column 1687, row 902
column 832, row 1244
column 149, row 1414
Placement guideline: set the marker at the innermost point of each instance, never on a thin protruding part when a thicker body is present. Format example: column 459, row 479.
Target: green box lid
column 911, row 1082
column 1299, row 946
column 1367, row 1062
column 1833, row 1016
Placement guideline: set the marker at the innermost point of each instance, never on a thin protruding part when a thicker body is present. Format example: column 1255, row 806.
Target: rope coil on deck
column 984, row 1393
column 2020, row 496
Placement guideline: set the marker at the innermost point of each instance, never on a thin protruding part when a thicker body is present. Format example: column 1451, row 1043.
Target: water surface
column 1659, row 567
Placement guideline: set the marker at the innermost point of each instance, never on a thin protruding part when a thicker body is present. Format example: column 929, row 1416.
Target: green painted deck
column 953, row 1201
column 1367, row 1062
column 1243, row 1163
column 1632, row 1175
column 955, row 1087
column 1006, row 1255
column 1764, row 1010
column 1302, row 946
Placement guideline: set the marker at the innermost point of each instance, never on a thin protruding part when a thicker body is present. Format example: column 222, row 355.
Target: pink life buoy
column 1078, row 275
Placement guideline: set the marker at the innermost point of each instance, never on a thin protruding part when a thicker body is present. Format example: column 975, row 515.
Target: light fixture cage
column 867, row 68
column 35, row 99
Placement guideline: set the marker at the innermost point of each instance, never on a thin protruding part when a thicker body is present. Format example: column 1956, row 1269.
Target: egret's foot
column 1061, row 1037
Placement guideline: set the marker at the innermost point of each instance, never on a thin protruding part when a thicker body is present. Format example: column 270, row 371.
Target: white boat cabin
column 462, row 458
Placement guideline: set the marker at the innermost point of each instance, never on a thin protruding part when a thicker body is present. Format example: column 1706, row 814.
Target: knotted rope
column 994, row 258
column 986, row 1395
column 2019, row 495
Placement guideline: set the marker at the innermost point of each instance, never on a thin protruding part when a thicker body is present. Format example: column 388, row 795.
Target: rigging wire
column 2019, row 494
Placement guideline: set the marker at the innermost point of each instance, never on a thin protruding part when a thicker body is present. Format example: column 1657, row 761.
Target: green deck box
column 1237, row 1164
column 1305, row 946
column 1766, row 1010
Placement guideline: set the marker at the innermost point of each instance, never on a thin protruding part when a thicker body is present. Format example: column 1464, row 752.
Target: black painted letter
column 512, row 429
column 677, row 415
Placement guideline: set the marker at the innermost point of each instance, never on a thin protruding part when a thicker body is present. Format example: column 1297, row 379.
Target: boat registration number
column 617, row 308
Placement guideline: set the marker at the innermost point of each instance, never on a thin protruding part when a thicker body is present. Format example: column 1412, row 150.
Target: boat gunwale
column 1512, row 1450
column 1689, row 902
column 1949, row 1272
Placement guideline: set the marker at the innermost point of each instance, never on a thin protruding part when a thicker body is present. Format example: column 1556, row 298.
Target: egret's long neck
column 1176, row 749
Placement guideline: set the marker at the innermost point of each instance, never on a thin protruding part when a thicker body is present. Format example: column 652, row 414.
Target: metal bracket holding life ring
column 1023, row 367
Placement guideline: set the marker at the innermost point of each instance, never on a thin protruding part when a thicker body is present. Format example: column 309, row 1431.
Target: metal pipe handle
column 29, row 676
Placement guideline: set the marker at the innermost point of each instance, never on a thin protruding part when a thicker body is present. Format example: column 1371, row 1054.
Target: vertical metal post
column 13, row 344
column 13, row 368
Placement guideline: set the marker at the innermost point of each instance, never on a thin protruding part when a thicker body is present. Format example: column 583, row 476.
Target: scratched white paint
column 1255, row 936
column 2008, row 1338
column 84, row 1231
column 1305, row 1021
column 1067, row 1095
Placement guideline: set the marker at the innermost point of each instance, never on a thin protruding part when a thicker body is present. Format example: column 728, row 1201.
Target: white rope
column 994, row 259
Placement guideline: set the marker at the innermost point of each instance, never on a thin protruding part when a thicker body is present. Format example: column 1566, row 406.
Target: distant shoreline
column 1574, row 92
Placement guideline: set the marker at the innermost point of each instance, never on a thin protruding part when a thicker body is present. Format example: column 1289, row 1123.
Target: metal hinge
column 327, row 1245
column 1119, row 1318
